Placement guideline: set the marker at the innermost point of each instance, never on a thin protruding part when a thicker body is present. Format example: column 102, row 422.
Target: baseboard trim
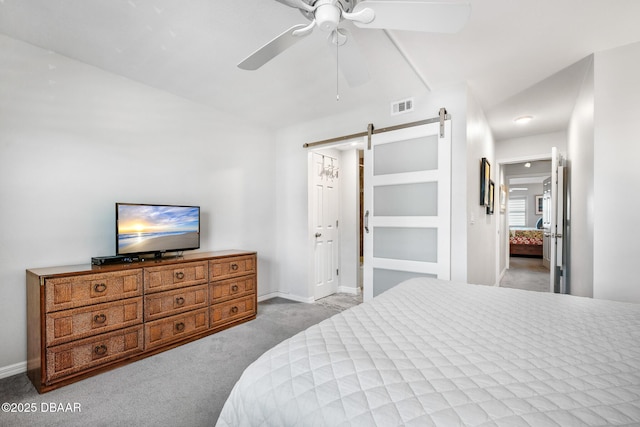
column 504, row 271
column 11, row 370
column 291, row 297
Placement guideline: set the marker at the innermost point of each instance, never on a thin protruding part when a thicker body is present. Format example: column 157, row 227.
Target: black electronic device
column 113, row 259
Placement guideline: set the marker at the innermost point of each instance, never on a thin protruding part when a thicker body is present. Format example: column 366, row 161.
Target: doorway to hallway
column 523, row 258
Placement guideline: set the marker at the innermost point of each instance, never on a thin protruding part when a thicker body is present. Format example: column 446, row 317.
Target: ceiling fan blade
column 415, row 15
column 272, row 49
column 351, row 61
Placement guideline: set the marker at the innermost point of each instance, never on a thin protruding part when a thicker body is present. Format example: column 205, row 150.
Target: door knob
column 318, row 234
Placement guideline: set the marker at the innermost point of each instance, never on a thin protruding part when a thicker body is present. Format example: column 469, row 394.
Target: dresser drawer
column 167, row 303
column 231, row 310
column 175, row 276
column 175, row 328
column 62, row 293
column 231, row 267
column 76, row 323
column 74, row 357
column 231, row 288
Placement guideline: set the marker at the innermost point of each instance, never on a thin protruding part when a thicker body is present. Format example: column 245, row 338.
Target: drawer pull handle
column 234, row 266
column 100, row 350
column 100, row 318
column 180, row 326
column 99, row 287
column 234, row 288
column 234, row 309
column 179, row 300
column 179, row 275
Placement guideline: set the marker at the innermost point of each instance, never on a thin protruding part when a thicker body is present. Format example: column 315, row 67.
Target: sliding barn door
column 407, row 195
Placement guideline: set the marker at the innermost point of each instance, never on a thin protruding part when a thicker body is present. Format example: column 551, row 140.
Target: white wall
column 616, row 173
column 580, row 224
column 74, row 140
column 291, row 179
column 482, row 228
column 531, row 147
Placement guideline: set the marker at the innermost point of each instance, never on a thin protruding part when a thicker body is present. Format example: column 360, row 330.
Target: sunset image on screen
column 147, row 228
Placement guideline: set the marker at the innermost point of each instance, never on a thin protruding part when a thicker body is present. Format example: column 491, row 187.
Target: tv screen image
column 142, row 228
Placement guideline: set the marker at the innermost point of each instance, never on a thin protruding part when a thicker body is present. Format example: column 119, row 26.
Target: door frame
column 349, row 272
column 505, row 239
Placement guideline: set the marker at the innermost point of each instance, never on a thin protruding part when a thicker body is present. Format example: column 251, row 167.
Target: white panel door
column 407, row 193
column 325, row 223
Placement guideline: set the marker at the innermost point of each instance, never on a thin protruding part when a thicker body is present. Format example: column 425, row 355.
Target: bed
column 429, row 352
column 525, row 242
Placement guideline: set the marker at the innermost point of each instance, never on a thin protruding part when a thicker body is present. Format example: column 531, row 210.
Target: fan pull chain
column 337, row 66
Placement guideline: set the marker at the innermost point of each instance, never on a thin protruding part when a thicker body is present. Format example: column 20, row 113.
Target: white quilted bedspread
column 429, row 352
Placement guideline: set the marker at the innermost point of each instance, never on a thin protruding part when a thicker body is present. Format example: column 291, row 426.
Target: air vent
column 401, row 107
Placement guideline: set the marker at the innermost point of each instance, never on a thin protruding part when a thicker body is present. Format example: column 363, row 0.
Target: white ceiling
column 509, row 54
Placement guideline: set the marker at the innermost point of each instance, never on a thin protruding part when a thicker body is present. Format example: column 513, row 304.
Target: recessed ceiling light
column 527, row 165
column 523, row 120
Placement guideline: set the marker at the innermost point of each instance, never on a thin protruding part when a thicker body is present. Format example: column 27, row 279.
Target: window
column 518, row 212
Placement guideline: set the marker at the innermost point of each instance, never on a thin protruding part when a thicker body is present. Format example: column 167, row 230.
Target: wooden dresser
column 83, row 320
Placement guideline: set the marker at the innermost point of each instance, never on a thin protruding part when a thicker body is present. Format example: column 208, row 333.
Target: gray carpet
column 526, row 273
column 186, row 386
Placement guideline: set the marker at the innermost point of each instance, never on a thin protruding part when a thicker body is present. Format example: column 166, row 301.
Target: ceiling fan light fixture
column 405, row 15
column 327, row 17
column 523, row 120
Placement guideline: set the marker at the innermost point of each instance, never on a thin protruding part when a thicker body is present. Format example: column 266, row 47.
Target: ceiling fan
column 328, row 15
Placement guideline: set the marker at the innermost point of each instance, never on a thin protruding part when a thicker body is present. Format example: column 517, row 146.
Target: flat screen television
column 146, row 229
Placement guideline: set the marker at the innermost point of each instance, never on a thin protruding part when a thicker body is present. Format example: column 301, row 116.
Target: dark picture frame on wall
column 539, row 204
column 485, row 178
column 492, row 189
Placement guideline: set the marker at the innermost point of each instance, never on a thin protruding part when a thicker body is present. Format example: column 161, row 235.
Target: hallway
column 526, row 273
